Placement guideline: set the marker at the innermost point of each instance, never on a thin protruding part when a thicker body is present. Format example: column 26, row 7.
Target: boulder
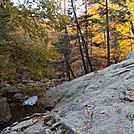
column 5, row 114
column 100, row 102
column 18, row 97
column 92, row 103
column 10, row 91
column 38, row 124
column 129, row 56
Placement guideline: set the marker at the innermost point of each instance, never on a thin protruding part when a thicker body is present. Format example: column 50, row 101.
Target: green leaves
column 23, row 43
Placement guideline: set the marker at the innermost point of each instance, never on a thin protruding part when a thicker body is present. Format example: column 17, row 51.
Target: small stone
column 18, row 96
column 47, row 119
column 49, row 123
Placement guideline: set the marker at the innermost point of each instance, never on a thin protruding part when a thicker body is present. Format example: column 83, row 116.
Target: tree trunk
column 132, row 27
column 65, row 7
column 73, row 75
column 83, row 40
column 86, row 26
column 82, row 57
column 67, row 59
column 67, row 68
column 91, row 46
column 107, row 29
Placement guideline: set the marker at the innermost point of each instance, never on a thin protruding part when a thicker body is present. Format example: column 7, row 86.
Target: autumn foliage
column 47, row 42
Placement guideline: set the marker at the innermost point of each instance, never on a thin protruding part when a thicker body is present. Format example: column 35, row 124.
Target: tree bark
column 67, row 61
column 132, row 27
column 83, row 40
column 107, row 30
column 82, row 57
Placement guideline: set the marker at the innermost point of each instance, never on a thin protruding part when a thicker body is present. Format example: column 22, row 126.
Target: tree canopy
column 45, row 41
column 24, row 40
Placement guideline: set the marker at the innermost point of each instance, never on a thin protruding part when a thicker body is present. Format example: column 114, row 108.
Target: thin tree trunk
column 107, row 29
column 132, row 27
column 72, row 72
column 65, row 7
column 82, row 57
column 83, row 40
column 67, row 59
column 67, row 68
column 86, row 26
column 91, row 46
column 131, row 44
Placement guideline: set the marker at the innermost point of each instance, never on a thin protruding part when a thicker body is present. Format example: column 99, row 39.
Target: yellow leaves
column 95, row 17
column 93, row 8
column 97, row 38
column 130, row 5
column 125, row 47
column 115, row 6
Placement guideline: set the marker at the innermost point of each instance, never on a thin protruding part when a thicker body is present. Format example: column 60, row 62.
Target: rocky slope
column 101, row 102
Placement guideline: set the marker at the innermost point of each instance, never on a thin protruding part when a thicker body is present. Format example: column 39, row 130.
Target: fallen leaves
column 19, row 130
column 132, row 93
column 89, row 126
column 122, row 100
column 106, row 100
column 40, row 120
column 102, row 112
column 86, row 105
column 115, row 89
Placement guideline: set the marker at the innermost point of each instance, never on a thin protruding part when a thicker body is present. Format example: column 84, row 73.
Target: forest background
column 47, row 41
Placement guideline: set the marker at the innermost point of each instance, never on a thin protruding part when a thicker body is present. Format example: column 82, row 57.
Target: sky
column 78, row 4
column 16, row 1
